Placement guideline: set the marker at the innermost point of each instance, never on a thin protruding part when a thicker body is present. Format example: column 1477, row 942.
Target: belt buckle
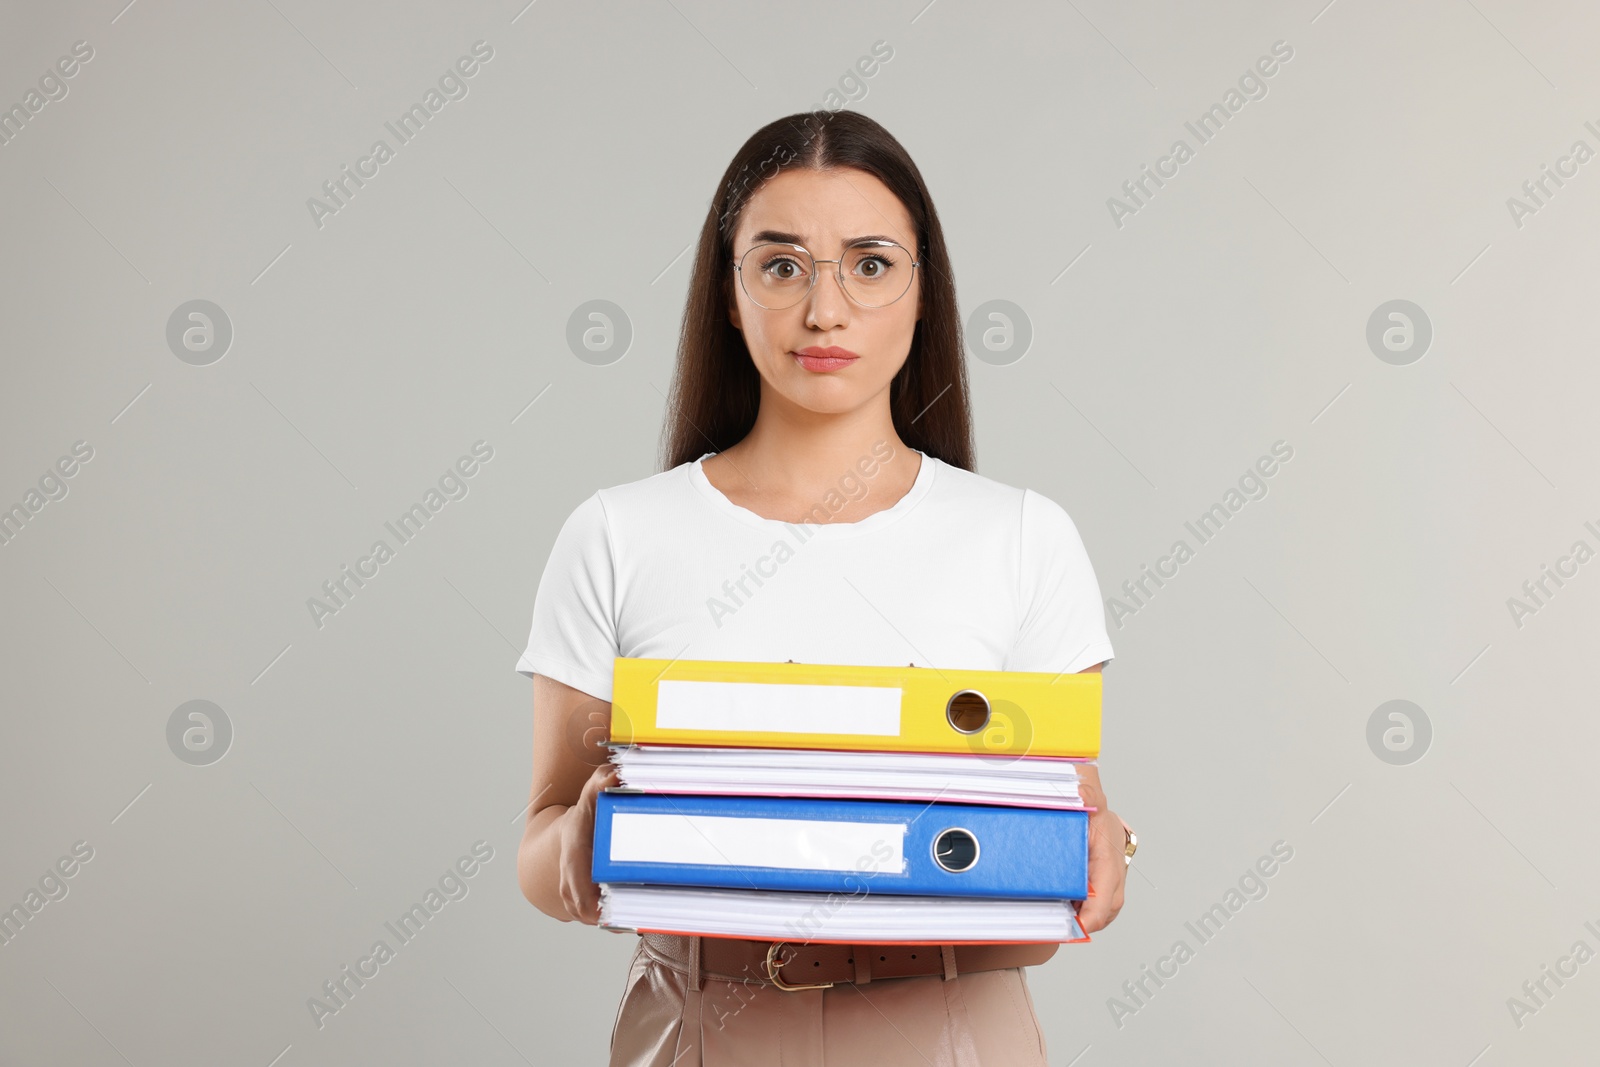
column 772, row 968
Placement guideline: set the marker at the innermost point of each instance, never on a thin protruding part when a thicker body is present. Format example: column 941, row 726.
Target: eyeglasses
column 778, row 276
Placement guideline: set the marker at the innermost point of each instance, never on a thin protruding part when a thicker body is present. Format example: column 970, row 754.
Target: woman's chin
column 825, row 401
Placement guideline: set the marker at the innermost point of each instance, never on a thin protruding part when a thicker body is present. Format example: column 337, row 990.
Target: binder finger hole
column 968, row 711
column 955, row 849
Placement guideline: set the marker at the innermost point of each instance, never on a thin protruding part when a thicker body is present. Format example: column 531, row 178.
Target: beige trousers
column 976, row 1019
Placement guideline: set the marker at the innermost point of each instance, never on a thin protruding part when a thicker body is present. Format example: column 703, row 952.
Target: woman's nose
column 829, row 304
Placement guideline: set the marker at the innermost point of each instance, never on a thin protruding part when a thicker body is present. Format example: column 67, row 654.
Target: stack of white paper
column 1032, row 781
column 868, row 917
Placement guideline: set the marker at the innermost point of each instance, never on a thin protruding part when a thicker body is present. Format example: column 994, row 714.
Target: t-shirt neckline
column 920, row 487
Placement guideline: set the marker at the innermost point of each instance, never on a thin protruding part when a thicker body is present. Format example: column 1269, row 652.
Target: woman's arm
column 1108, row 867
column 569, row 768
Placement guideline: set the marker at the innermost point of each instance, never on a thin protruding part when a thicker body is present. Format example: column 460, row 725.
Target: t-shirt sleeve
column 1063, row 626
column 574, row 633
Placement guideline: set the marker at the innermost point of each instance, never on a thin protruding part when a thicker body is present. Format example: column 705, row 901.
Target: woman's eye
column 784, row 269
column 873, row 267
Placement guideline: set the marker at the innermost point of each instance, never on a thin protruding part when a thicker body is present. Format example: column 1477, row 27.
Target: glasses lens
column 877, row 273
column 776, row 276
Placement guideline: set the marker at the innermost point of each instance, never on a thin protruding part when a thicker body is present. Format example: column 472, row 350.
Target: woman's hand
column 1108, row 865
column 579, row 892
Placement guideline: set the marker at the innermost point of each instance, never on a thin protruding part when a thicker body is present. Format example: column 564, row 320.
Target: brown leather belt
column 802, row 965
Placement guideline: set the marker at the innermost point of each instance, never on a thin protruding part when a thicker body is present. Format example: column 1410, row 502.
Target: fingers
column 579, row 891
column 1089, row 787
column 603, row 775
column 590, row 896
column 1097, row 912
column 585, row 905
column 577, row 852
column 580, row 894
column 1108, row 872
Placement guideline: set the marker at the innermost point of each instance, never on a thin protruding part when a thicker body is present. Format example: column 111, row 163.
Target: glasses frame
column 838, row 271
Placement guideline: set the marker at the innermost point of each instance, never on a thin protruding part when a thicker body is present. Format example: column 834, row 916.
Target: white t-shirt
column 963, row 572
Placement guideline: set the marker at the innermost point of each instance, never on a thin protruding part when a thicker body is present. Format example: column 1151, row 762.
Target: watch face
column 955, row 850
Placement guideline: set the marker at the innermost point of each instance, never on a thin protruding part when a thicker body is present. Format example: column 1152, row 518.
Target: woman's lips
column 825, row 359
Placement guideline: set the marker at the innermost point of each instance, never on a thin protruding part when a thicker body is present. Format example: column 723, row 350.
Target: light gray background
column 370, row 353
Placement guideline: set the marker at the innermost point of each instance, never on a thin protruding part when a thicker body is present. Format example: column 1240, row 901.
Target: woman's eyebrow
column 784, row 237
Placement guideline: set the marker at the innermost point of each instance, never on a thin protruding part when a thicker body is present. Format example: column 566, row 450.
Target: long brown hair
column 716, row 389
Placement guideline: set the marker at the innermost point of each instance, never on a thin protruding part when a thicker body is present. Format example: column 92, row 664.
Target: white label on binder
column 725, row 840
column 778, row 708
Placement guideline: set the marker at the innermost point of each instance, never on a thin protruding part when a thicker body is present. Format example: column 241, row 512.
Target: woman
column 817, row 504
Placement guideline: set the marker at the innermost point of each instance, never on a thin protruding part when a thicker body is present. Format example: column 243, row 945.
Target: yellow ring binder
column 858, row 708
